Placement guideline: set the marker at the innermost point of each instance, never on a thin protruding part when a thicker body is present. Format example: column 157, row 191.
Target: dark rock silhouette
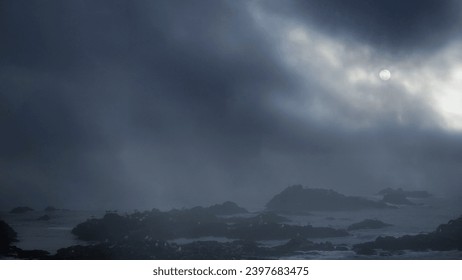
column 226, row 208
column 302, row 244
column 445, row 237
column 397, row 199
column 405, row 193
column 273, row 231
column 157, row 249
column 215, row 250
column 199, row 250
column 43, row 218
column 18, row 253
column 194, row 223
column 299, row 200
column 365, row 250
column 7, row 236
column 111, row 227
column 400, row 196
column 21, row 210
column 262, row 218
column 368, row 224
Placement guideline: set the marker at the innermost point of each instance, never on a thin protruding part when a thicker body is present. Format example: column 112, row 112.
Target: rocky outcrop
column 7, row 237
column 226, row 208
column 262, row 218
column 199, row 250
column 299, row 200
column 446, row 237
column 157, row 249
column 405, row 193
column 396, row 199
column 111, row 227
column 195, row 223
column 273, row 231
column 19, row 253
column 304, row 245
column 400, row 196
column 368, row 224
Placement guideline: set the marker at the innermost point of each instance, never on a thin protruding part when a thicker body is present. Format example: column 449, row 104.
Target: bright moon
column 385, row 74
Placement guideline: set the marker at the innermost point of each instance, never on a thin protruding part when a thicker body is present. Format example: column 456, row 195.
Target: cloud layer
column 108, row 104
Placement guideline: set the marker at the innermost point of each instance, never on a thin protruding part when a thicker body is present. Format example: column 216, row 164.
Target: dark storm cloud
column 394, row 25
column 168, row 103
column 84, row 80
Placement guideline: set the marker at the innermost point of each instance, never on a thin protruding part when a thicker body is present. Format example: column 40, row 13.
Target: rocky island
column 299, row 200
column 446, row 237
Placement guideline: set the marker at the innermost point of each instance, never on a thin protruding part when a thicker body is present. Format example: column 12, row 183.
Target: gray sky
column 142, row 104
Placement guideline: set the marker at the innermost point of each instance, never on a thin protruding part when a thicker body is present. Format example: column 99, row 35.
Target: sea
column 422, row 217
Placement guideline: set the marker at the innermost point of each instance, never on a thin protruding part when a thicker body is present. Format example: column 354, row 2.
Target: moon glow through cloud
column 385, row 74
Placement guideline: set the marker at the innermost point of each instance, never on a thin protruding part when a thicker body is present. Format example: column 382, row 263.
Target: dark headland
column 299, row 200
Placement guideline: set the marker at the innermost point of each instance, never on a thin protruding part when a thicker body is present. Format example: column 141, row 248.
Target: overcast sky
column 142, row 104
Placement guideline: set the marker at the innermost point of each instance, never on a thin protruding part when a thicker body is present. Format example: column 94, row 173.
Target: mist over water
column 119, row 105
column 424, row 217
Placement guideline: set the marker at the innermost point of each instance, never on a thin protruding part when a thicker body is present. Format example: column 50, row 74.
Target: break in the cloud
column 341, row 82
column 170, row 103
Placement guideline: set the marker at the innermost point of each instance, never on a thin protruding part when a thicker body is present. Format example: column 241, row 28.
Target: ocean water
column 48, row 235
column 423, row 217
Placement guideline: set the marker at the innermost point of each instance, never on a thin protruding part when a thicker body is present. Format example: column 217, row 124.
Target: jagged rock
column 273, row 231
column 194, row 223
column 91, row 252
column 262, row 218
column 397, row 199
column 18, row 253
column 445, row 237
column 368, row 224
column 405, row 193
column 157, row 249
column 365, row 250
column 7, row 236
column 302, row 244
column 21, row 210
column 205, row 250
column 299, row 200
column 43, row 218
column 226, row 208
column 199, row 250
column 112, row 227
column 400, row 196
column 270, row 217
